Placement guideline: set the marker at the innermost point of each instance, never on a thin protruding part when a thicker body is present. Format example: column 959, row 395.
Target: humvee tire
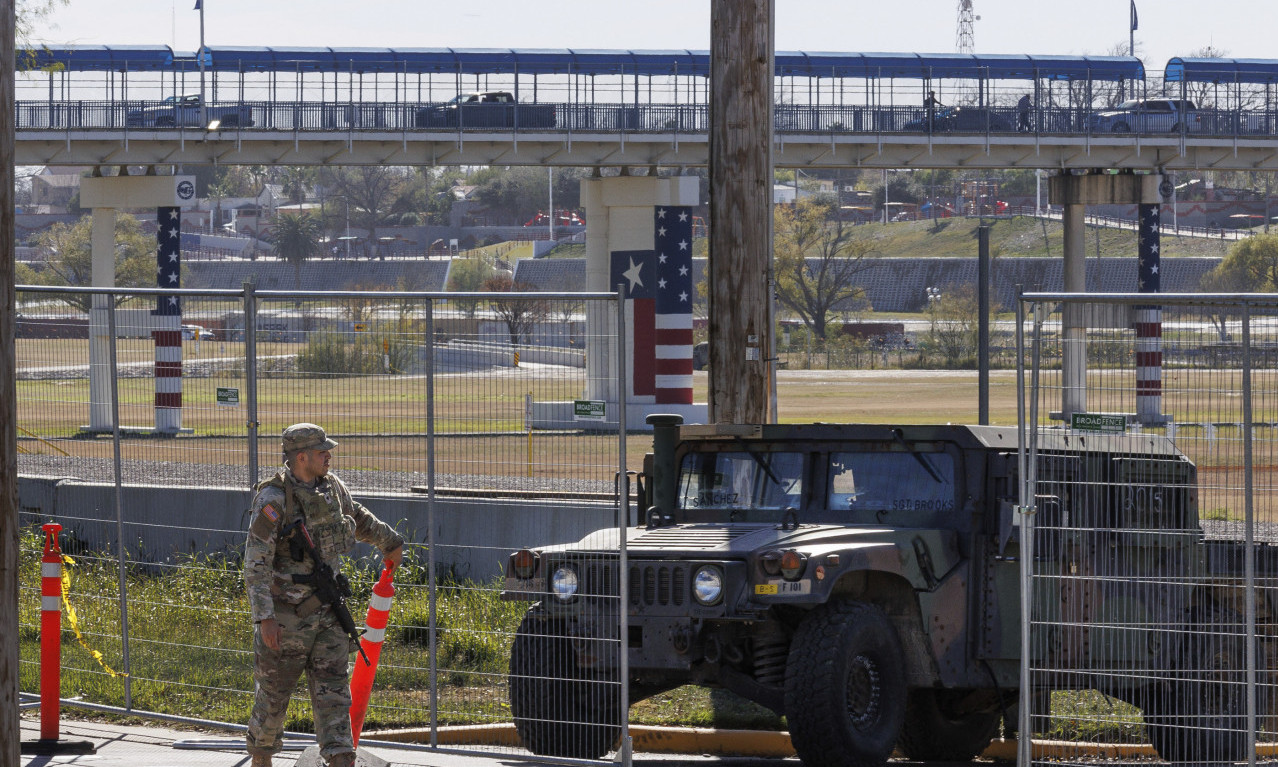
column 845, row 686
column 932, row 734
column 1201, row 716
column 559, row 709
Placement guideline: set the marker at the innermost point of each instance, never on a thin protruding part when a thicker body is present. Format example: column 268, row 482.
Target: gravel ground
column 181, row 473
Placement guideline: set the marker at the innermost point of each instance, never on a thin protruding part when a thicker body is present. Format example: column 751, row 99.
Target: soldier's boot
column 342, row 760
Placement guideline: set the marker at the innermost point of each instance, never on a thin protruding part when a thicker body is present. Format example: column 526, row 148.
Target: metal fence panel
column 456, row 424
column 1150, row 620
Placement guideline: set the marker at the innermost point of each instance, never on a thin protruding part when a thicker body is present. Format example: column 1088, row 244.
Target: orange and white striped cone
column 362, row 679
column 50, row 633
column 51, row 653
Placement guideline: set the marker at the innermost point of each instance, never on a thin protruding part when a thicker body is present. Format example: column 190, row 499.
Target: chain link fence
column 1150, row 436
column 459, row 420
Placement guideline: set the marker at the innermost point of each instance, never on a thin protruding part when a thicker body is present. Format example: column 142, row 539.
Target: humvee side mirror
column 656, row 518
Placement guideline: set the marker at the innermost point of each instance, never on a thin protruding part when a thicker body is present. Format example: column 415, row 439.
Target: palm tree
column 296, row 239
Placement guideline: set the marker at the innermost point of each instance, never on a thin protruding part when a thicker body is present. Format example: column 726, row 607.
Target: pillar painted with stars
column 1148, row 321
column 168, row 321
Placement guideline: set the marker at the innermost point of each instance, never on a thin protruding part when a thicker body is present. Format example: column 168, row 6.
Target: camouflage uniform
column 310, row 638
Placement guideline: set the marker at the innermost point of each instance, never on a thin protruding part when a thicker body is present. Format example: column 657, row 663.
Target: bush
column 336, row 354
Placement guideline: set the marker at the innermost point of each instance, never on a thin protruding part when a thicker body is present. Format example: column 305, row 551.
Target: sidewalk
column 121, row 745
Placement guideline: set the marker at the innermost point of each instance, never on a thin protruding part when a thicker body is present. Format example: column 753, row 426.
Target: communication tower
column 966, row 33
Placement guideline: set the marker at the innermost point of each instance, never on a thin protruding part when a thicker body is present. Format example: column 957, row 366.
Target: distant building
column 55, row 186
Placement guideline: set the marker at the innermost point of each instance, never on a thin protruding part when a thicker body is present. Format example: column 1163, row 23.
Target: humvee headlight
column 771, row 563
column 563, row 582
column 707, row 585
column 792, row 564
column 523, row 563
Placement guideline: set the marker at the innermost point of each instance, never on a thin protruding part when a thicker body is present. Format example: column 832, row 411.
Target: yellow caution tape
column 74, row 623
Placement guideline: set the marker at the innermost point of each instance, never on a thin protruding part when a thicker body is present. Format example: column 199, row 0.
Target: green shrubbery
column 335, row 353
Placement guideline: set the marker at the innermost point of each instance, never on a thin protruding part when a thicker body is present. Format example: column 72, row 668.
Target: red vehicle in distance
column 562, row 218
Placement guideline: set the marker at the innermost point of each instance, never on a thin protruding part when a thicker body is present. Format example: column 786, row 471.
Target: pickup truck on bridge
column 184, row 112
column 493, row 109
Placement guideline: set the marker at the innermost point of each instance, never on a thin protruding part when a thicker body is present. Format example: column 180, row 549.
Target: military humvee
column 864, row 581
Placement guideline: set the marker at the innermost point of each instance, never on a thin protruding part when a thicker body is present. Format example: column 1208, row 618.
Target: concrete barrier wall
column 473, row 536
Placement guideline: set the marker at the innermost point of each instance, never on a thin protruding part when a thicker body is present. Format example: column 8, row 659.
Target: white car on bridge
column 1148, row 116
column 184, row 111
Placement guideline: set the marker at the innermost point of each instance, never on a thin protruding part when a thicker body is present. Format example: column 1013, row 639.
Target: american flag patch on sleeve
column 271, row 512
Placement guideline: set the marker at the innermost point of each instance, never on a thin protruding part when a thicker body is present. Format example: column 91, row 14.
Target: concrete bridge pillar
column 639, row 235
column 1075, row 193
column 102, row 275
column 106, row 195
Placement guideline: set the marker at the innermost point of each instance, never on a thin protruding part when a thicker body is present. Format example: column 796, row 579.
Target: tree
column 296, row 180
column 515, row 195
column 28, row 15
column 369, row 193
column 296, row 239
column 955, row 332
column 521, row 315
column 816, row 257
column 67, row 252
column 469, row 275
column 1251, row 266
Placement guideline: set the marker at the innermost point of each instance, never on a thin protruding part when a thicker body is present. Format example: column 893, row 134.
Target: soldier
column 295, row 631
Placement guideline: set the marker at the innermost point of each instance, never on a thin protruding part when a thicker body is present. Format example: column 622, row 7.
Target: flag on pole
column 1134, row 24
column 198, row 4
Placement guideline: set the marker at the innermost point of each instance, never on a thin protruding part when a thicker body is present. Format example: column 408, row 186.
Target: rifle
column 331, row 588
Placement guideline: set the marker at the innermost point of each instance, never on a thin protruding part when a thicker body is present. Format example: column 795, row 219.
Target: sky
column 1238, row 28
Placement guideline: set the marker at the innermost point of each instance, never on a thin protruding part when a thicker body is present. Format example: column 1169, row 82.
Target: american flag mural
column 659, row 295
column 168, row 316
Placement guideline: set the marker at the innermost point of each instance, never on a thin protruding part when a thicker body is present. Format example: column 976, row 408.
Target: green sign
column 1103, row 422
column 228, row 396
column 588, row 410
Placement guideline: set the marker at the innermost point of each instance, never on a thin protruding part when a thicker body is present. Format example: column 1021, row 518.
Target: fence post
column 430, row 522
column 119, row 500
column 250, row 376
column 1249, row 525
column 623, row 522
column 1024, row 726
column 983, row 326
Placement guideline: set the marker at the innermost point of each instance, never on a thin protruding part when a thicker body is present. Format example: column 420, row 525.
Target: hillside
column 1020, row 236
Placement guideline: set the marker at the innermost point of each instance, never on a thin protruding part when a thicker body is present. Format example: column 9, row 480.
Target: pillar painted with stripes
column 1148, row 321
column 168, row 321
column 639, row 237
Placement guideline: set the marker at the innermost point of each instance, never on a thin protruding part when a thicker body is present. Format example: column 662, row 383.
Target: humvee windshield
column 893, row 481
column 749, row 486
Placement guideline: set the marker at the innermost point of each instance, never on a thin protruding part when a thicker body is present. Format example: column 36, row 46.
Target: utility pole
column 742, row 360
column 10, row 731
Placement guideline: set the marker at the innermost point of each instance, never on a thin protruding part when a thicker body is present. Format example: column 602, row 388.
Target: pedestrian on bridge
column 295, row 630
column 931, row 104
column 1023, row 108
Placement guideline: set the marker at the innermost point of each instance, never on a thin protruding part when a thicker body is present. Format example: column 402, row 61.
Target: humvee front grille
column 658, row 583
column 599, row 579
